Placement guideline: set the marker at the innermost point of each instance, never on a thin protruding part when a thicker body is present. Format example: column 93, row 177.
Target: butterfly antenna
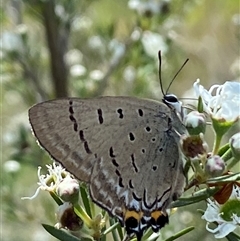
column 176, row 75
column 160, row 72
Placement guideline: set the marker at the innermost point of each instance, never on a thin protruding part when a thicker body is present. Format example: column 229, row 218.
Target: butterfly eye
column 170, row 98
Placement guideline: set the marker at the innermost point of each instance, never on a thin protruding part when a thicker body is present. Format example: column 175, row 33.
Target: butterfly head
column 169, row 99
column 172, row 101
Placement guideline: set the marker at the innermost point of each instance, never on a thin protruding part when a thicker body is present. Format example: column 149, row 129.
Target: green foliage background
column 37, row 38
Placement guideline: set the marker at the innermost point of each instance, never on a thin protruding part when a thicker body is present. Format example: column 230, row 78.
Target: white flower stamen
column 224, row 104
column 49, row 182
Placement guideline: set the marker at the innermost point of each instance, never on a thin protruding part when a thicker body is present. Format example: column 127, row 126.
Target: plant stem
column 232, row 163
column 217, row 143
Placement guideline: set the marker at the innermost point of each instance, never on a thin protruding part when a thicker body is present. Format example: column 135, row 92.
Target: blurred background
column 52, row 49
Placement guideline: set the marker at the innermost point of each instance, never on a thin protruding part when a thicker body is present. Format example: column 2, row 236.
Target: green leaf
column 112, row 229
column 224, row 179
column 200, row 107
column 233, row 237
column 150, row 235
column 85, row 200
column 56, row 198
column 60, row 234
column 120, row 231
column 198, row 196
column 181, row 233
column 223, row 149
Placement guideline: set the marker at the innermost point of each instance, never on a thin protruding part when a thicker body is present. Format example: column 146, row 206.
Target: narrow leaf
column 85, row 200
column 56, row 198
column 223, row 179
column 233, row 237
column 60, row 234
column 223, row 149
column 198, row 196
column 181, row 233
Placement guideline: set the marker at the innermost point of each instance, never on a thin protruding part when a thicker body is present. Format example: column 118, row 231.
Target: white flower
column 11, row 166
column 129, row 73
column 96, row 42
column 73, row 56
column 221, row 102
column 226, row 216
column 96, row 74
column 142, row 7
column 11, row 42
column 118, row 50
column 152, row 41
column 78, row 70
column 50, row 181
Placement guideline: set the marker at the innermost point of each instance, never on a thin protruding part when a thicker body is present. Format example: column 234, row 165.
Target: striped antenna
column 160, row 75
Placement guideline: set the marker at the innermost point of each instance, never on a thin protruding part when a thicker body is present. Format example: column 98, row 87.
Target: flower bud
column 68, row 190
column 215, row 166
column 67, row 218
column 195, row 123
column 235, row 145
column 194, row 147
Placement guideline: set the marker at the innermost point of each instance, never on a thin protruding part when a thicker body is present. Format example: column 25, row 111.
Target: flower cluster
column 213, row 169
column 64, row 188
column 221, row 105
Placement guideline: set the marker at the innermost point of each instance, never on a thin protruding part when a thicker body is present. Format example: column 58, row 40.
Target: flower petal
column 221, row 102
column 225, row 229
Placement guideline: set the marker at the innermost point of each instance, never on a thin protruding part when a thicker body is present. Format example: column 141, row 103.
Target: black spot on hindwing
column 131, row 136
column 71, row 116
column 136, row 197
column 120, row 180
column 148, row 129
column 140, row 112
column 133, row 163
column 154, row 168
column 71, row 110
column 114, row 162
column 81, row 135
column 120, row 112
column 153, row 139
column 86, row 147
column 100, row 116
column 111, row 153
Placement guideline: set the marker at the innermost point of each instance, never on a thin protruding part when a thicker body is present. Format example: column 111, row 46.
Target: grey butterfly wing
column 141, row 167
column 65, row 127
column 122, row 146
column 57, row 131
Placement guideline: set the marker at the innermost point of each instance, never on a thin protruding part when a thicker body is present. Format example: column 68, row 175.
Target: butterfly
column 126, row 149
